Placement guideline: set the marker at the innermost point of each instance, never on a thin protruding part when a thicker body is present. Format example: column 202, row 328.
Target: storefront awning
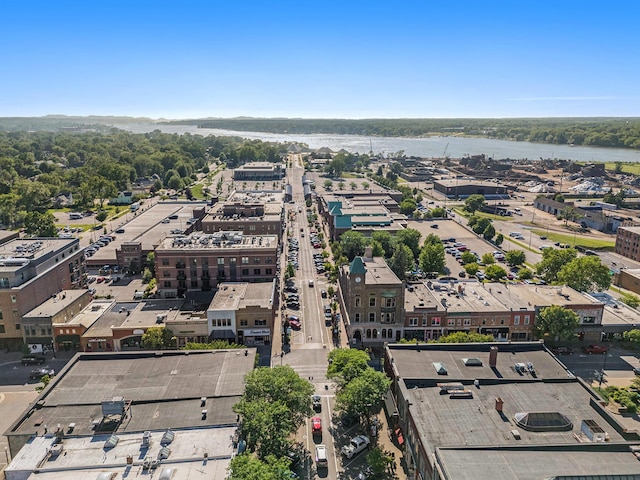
column 222, row 335
column 390, row 404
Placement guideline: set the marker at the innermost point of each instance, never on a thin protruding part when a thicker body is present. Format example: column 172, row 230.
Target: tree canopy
column 553, row 259
column 347, row 363
column 585, row 274
column 465, row 337
column 557, row 322
column 247, row 467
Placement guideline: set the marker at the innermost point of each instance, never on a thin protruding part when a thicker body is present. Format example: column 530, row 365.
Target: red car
column 594, row 349
column 294, row 322
column 316, row 425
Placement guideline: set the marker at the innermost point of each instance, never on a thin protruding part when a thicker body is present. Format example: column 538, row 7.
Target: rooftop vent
column 472, row 362
column 167, row 437
column 106, row 476
column 543, row 421
column 440, row 368
column 164, row 453
column 167, row 473
column 111, row 442
column 146, row 439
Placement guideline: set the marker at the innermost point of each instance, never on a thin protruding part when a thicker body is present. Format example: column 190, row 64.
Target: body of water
column 436, row 147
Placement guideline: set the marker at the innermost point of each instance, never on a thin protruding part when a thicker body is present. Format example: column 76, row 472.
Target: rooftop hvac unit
column 146, row 439
column 115, row 406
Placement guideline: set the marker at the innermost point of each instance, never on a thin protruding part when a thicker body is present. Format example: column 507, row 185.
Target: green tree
column 632, row 336
column 274, row 405
column 465, row 337
column 353, row 185
column 248, row 467
column 328, row 184
column 432, row 258
column 345, row 364
column 408, row 206
column 40, row 224
column 352, row 244
column 102, row 215
column 585, row 274
column 629, row 299
column 473, row 203
column 468, row 257
column 495, row 272
column 151, row 262
column 290, row 271
column 489, row 232
column 525, row 274
column 157, row 338
column 401, row 261
column 499, row 239
column 557, row 322
column 472, row 268
column 559, row 198
column 341, row 185
column 363, row 395
column 102, row 189
column 478, row 224
column 438, row 212
column 379, row 461
column 488, row 258
column 411, row 238
column 515, row 257
column 553, row 259
column 386, row 240
column 365, row 185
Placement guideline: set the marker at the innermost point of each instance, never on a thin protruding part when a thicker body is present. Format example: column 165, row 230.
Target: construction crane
column 445, row 151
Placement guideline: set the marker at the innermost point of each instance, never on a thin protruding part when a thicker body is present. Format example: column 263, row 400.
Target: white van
column 321, row 456
column 310, row 283
column 75, row 216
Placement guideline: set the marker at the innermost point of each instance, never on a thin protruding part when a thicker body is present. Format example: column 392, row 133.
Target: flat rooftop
column 85, row 457
column 219, row 241
column 164, row 389
column 535, row 463
column 238, row 295
column 90, row 314
column 265, row 197
column 461, row 182
column 18, row 252
column 378, row 272
column 56, row 304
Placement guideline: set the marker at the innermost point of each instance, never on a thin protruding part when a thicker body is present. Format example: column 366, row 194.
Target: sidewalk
column 387, row 443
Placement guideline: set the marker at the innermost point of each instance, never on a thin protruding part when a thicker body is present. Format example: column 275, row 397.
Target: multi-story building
column 201, row 261
column 243, row 313
column 253, row 213
column 38, row 324
column 258, row 171
column 372, row 299
column 503, row 410
column 628, row 242
column 32, row 271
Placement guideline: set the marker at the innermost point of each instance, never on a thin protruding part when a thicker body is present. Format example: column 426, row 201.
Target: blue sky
column 320, row 59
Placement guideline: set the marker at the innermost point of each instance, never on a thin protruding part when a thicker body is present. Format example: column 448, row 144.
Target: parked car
column 316, row 426
column 321, row 456
column 34, row 359
column 594, row 349
column 355, row 446
column 294, row 323
column 561, row 350
column 38, row 373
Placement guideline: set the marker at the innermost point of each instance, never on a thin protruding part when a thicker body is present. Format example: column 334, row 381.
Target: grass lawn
column 462, row 212
column 351, row 175
column 196, row 191
column 579, row 240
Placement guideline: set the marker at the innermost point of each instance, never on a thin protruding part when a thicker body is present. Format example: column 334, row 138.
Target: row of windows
column 14, row 311
column 226, row 322
column 387, row 317
column 384, row 333
column 221, row 261
column 386, row 302
column 32, row 331
column 451, row 322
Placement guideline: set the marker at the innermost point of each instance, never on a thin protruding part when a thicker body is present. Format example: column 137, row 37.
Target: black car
column 317, row 403
column 33, row 359
column 38, row 373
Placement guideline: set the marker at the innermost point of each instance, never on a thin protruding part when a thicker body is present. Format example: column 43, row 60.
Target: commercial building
column 492, row 405
column 113, row 412
column 243, row 313
column 31, row 272
column 201, row 261
column 461, row 188
column 251, row 212
column 38, row 324
column 68, row 332
column 258, row 171
column 372, row 299
column 627, row 242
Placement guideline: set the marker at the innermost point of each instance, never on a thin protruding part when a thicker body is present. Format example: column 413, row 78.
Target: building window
column 13, row 299
column 368, row 333
column 372, row 301
column 372, row 317
column 245, row 271
column 526, row 319
column 256, row 260
column 413, row 322
column 451, row 322
column 165, row 262
column 1, row 316
column 389, row 302
column 245, row 260
column 588, row 319
column 15, row 313
column 516, row 320
column 167, row 284
column 244, row 323
column 194, row 283
column 256, row 271
column 358, row 302
column 17, row 326
column 424, row 321
column 261, row 323
column 268, row 271
column 220, row 260
column 467, row 322
column 2, row 329
column 357, row 318
column 268, row 260
column 435, row 322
